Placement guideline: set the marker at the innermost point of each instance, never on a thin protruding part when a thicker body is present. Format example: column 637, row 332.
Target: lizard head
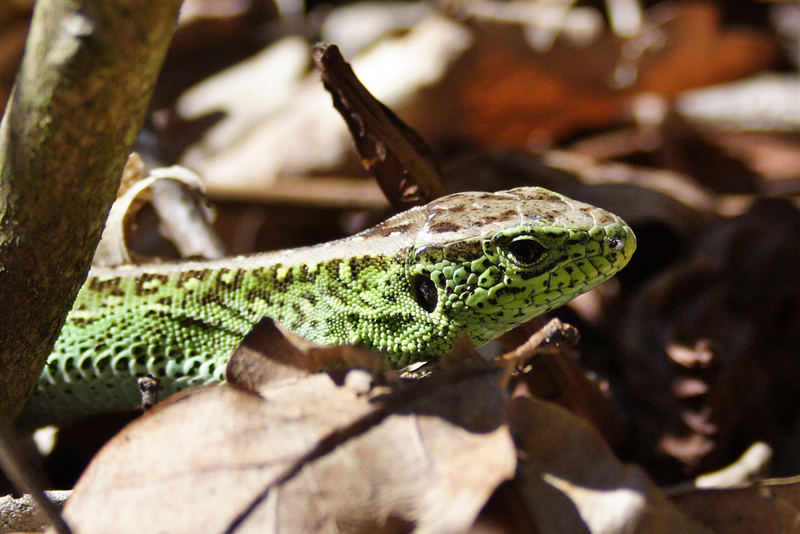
column 484, row 263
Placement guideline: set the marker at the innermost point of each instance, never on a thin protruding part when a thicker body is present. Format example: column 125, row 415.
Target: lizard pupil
column 425, row 292
column 525, row 251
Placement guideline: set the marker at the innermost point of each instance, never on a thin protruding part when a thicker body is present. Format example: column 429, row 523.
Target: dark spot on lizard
column 550, row 215
column 383, row 230
column 147, row 278
column 232, row 283
column 153, row 313
column 443, row 226
column 355, row 268
column 527, row 275
column 509, row 213
column 110, row 286
column 303, row 275
column 185, row 276
column 258, row 293
column 214, row 298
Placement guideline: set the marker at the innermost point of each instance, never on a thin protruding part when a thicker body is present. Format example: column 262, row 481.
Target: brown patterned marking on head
column 442, row 227
column 463, row 215
column 462, row 250
column 531, row 193
column 384, row 230
column 508, row 215
column 551, row 215
column 489, row 219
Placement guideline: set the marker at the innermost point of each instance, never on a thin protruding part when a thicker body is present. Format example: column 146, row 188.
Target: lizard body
column 480, row 263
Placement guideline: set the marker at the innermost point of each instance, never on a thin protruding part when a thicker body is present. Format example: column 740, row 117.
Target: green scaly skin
column 480, row 263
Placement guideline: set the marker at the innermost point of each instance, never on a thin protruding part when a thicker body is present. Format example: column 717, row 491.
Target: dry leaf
column 767, row 506
column 22, row 514
column 305, row 456
column 271, row 353
column 502, row 93
column 113, row 248
column 571, row 482
column 708, row 345
column 305, row 133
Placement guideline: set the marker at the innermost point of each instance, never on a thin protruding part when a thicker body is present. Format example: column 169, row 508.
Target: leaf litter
column 686, row 359
column 301, row 453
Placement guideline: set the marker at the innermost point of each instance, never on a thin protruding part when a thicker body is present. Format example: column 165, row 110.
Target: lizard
column 472, row 262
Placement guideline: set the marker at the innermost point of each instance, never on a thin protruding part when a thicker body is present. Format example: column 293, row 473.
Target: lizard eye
column 525, row 251
column 425, row 292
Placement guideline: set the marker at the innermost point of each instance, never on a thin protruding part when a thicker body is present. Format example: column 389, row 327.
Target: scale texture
column 479, row 263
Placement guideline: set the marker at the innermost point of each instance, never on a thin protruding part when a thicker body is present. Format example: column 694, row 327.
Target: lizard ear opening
column 425, row 292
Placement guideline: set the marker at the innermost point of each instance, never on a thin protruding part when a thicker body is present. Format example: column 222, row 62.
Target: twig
column 21, row 475
column 554, row 332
